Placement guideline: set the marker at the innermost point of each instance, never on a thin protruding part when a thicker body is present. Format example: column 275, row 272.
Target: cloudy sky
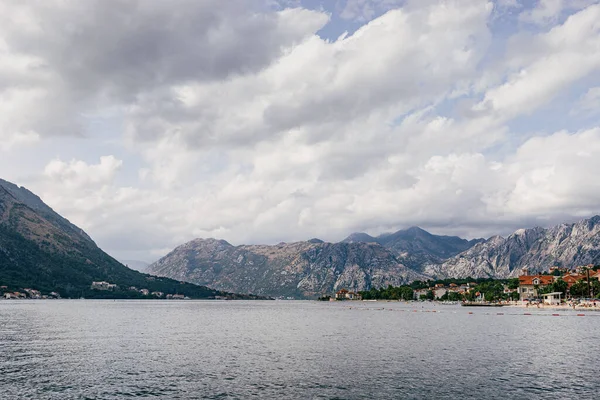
column 149, row 123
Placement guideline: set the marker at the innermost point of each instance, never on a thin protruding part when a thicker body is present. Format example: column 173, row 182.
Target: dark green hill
column 41, row 250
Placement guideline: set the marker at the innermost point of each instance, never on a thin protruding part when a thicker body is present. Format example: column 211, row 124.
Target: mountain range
column 41, row 250
column 416, row 247
column 361, row 261
column 535, row 249
column 302, row 269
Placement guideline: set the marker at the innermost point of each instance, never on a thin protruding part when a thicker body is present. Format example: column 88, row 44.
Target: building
column 157, row 294
column 552, row 299
column 103, row 286
column 33, row 294
column 558, row 270
column 439, row 291
column 353, row 296
column 453, row 287
column 529, row 285
column 573, row 278
column 145, row 292
column 582, row 269
column 344, row 294
column 15, row 295
column 507, row 290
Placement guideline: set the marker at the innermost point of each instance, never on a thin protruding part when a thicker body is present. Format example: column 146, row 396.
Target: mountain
column 417, row 247
column 302, row 269
column 537, row 249
column 41, row 250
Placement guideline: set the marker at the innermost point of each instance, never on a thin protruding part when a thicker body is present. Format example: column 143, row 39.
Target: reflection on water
column 291, row 350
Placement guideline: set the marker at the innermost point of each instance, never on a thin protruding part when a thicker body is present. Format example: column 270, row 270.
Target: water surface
column 85, row 349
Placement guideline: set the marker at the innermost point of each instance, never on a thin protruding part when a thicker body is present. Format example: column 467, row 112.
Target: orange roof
column 543, row 279
column 343, row 291
column 572, row 278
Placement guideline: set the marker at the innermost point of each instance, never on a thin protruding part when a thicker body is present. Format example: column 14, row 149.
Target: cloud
column 555, row 174
column 317, row 83
column 77, row 174
column 559, row 58
column 65, row 58
column 589, row 103
column 366, row 10
column 546, row 12
column 241, row 120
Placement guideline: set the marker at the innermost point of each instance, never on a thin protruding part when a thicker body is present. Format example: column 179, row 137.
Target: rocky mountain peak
column 358, row 237
column 209, row 242
column 564, row 245
column 299, row 269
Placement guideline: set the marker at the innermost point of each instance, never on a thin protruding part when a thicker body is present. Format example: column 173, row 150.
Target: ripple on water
column 291, row 350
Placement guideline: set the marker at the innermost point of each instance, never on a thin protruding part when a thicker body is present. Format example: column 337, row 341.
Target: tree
column 492, row 290
column 513, row 283
column 560, row 286
column 595, row 288
column 454, row 296
column 579, row 289
column 406, row 293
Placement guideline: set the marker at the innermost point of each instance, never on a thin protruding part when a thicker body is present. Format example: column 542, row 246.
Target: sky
column 150, row 123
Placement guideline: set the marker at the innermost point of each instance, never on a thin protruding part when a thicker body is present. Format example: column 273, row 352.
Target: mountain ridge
column 564, row 245
column 411, row 254
column 416, row 246
column 299, row 269
column 41, row 250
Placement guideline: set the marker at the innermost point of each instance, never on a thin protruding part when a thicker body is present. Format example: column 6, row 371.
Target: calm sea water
column 293, row 350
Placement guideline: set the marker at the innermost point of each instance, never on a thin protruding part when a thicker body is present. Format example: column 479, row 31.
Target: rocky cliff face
column 416, row 247
column 312, row 268
column 565, row 245
column 303, row 269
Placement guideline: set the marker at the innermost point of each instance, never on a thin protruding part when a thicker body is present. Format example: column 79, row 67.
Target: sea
column 106, row 349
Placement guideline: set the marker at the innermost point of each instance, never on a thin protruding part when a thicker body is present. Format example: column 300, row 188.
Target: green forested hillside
column 41, row 250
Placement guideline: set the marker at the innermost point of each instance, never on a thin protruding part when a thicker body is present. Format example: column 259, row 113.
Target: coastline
column 579, row 307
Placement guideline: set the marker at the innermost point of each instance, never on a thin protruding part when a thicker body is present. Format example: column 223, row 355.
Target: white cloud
column 556, row 174
column 61, row 59
column 563, row 55
column 78, row 175
column 589, row 103
column 547, row 12
column 254, row 129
